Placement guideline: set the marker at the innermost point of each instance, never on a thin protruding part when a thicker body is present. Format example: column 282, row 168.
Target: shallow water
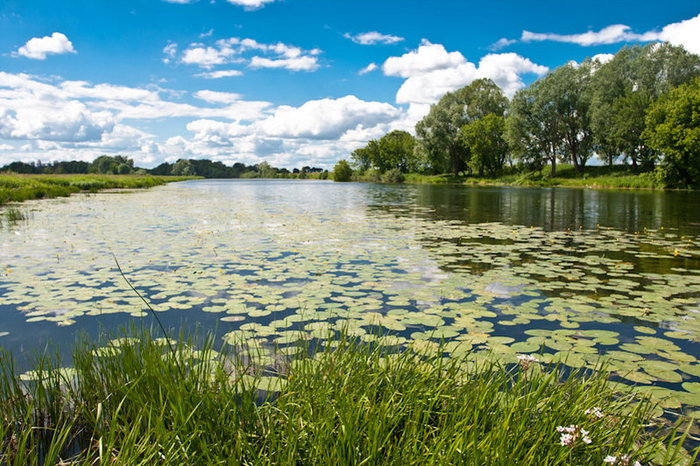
column 566, row 273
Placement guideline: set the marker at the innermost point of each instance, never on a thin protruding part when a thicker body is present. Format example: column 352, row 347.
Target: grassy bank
column 18, row 188
column 592, row 177
column 139, row 401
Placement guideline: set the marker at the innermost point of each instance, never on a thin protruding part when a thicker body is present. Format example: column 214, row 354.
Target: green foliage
column 112, row 165
column 438, row 134
column 394, row 150
column 673, row 129
column 140, row 401
column 342, row 171
column 392, row 176
column 623, row 89
column 484, row 138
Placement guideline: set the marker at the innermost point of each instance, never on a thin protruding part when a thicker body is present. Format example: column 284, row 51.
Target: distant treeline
column 122, row 165
column 640, row 109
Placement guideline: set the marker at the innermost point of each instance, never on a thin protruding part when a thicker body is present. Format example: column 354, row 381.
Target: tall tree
column 484, row 138
column 623, row 89
column 438, row 134
column 673, row 129
column 533, row 126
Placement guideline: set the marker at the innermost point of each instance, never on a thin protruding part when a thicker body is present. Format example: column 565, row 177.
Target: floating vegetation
column 276, row 267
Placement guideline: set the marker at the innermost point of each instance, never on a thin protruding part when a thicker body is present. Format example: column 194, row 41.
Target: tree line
column 123, row 165
column 639, row 109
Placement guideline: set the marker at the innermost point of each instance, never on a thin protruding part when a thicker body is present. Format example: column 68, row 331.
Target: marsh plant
column 136, row 401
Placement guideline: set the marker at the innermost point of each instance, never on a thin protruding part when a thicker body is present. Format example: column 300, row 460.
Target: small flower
column 526, row 360
column 595, row 411
column 567, row 440
column 570, row 434
column 610, row 459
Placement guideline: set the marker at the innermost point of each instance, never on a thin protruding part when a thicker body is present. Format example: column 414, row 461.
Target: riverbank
column 19, row 188
column 144, row 400
column 592, row 177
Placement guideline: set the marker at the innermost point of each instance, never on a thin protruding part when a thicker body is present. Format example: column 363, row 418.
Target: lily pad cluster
column 280, row 267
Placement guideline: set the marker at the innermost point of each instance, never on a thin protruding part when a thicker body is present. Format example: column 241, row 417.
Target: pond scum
column 150, row 400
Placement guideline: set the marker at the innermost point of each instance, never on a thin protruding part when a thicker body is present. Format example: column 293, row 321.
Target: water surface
column 569, row 274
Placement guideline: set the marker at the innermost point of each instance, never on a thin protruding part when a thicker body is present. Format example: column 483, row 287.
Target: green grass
column 19, row 188
column 592, row 177
column 139, row 402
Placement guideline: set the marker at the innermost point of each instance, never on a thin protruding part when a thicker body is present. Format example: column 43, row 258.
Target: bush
column 393, row 176
column 342, row 171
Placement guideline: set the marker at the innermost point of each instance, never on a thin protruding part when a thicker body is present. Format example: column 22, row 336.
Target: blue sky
column 292, row 82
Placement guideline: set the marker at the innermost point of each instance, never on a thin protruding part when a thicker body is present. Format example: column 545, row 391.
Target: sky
column 291, row 82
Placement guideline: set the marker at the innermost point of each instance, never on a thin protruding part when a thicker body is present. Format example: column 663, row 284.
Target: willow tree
column 438, row 134
column 625, row 87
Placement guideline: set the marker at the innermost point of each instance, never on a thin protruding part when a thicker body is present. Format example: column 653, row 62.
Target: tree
column 569, row 87
column 342, row 171
column 673, row 129
column 183, row 167
column 438, row 134
column 113, row 165
column 625, row 87
column 533, row 127
column 484, row 138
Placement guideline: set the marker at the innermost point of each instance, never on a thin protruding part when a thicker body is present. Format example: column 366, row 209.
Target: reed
column 136, row 401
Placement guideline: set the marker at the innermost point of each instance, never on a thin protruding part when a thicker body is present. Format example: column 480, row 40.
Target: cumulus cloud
column 683, row 33
column 431, row 71
column 368, row 69
column 38, row 48
column 170, row 51
column 327, row 118
column 372, row 38
column 428, row 57
column 6, row 147
column 251, row 52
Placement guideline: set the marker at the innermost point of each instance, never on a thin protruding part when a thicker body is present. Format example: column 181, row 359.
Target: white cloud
column 170, row 52
column 506, row 70
column 217, row 97
column 327, row 118
column 237, row 50
column 206, row 57
column 250, row 4
column 368, row 69
column 306, row 63
column 428, row 57
column 220, row 74
column 684, row 33
column 608, row 35
column 373, row 37
column 38, row 48
column 431, row 71
column 501, row 43
column 181, row 2
column 71, row 122
column 6, row 147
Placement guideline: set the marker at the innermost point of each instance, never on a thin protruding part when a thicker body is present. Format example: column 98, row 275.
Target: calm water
column 564, row 273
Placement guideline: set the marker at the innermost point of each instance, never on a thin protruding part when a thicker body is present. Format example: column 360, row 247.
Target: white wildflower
column 526, row 360
column 594, row 411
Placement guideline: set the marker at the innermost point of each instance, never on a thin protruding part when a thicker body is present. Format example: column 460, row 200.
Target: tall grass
column 18, row 188
column 342, row 403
